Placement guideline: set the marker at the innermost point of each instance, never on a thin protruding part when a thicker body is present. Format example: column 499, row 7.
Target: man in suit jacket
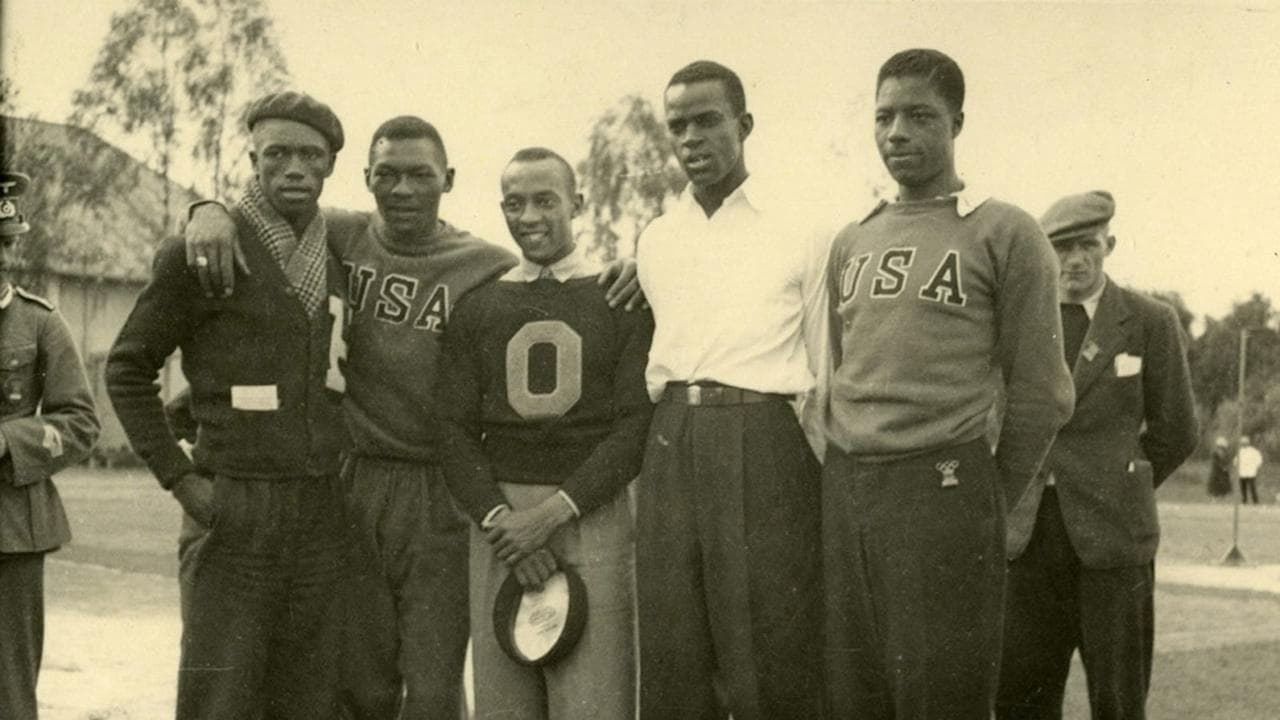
column 1082, row 539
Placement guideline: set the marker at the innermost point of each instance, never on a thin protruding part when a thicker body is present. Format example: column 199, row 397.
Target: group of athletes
column 826, row 433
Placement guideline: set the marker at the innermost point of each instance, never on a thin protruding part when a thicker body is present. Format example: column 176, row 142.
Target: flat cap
column 1076, row 215
column 301, row 108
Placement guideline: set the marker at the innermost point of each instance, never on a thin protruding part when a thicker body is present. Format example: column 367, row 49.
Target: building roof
column 95, row 211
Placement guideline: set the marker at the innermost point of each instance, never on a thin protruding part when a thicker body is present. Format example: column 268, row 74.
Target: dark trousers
column 21, row 632
column 1056, row 606
column 915, row 576
column 1248, row 488
column 406, row 609
column 728, row 565
column 260, row 632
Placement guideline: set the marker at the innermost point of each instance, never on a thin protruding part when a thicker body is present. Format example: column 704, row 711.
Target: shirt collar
column 1091, row 303
column 6, row 296
column 570, row 266
column 967, row 200
column 747, row 193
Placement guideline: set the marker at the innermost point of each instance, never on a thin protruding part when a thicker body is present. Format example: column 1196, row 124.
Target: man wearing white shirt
column 1248, row 460
column 728, row 544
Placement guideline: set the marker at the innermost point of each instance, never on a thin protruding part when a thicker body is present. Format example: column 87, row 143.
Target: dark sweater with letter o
column 543, row 383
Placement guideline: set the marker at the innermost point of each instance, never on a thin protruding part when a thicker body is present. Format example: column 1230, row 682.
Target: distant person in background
column 1248, row 460
column 47, row 422
column 1082, row 540
column 1220, row 468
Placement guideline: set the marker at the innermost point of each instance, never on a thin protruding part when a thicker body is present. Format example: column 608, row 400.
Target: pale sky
column 1172, row 109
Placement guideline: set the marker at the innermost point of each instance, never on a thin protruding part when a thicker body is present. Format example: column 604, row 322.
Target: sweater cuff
column 491, row 516
column 569, row 501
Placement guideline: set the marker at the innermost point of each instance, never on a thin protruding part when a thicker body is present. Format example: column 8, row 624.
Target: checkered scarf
column 303, row 262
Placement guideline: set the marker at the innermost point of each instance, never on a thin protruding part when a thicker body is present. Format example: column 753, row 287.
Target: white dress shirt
column 1090, row 303
column 738, row 298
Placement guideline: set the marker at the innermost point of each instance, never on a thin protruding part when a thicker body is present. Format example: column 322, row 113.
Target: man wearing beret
column 47, row 422
column 1082, row 540
column 259, row 635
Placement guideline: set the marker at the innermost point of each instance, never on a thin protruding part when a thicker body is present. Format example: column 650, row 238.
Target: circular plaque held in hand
column 538, row 627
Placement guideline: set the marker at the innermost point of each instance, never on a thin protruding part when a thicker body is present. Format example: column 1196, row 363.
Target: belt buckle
column 693, row 394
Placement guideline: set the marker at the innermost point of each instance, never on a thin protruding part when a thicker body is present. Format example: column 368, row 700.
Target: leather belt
column 710, row 393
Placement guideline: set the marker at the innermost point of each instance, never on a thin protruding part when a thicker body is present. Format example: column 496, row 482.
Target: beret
column 1076, row 215
column 301, row 108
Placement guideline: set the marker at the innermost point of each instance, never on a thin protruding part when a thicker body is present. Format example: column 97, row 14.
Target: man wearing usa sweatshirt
column 938, row 299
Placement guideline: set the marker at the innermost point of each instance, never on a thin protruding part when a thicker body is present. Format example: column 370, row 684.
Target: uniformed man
column 47, row 422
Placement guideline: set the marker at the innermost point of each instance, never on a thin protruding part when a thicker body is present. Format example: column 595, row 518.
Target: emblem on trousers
column 948, row 469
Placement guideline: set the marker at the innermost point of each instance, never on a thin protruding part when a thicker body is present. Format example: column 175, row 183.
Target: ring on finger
column 202, row 261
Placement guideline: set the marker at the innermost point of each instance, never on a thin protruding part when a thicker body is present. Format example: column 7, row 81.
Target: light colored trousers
column 596, row 681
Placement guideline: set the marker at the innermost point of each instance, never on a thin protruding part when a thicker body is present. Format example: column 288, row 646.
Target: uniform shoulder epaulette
column 33, row 298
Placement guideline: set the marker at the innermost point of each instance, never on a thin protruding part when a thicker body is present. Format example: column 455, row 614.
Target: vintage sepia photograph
column 656, row 359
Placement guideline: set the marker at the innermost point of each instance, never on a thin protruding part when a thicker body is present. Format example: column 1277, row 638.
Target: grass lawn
column 120, row 519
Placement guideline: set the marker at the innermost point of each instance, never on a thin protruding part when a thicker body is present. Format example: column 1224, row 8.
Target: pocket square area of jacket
column 1128, row 365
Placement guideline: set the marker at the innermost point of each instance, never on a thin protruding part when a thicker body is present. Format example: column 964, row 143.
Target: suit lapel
column 1104, row 339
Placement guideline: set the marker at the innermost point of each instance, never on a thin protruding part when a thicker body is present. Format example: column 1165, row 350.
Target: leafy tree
column 628, row 175
column 236, row 61
column 8, row 95
column 1214, row 358
column 75, row 177
column 1174, row 299
column 135, row 84
column 181, row 73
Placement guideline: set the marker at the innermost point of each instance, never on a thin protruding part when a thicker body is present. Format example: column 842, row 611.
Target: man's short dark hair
column 408, row 127
column 700, row 70
column 534, row 154
column 935, row 67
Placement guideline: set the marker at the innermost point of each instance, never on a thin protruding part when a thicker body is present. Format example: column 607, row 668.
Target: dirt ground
column 112, row 628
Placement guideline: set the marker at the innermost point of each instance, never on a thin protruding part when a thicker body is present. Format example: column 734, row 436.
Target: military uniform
column 47, row 422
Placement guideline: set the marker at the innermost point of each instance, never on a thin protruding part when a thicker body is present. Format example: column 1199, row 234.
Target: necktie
column 546, row 274
column 1075, row 323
